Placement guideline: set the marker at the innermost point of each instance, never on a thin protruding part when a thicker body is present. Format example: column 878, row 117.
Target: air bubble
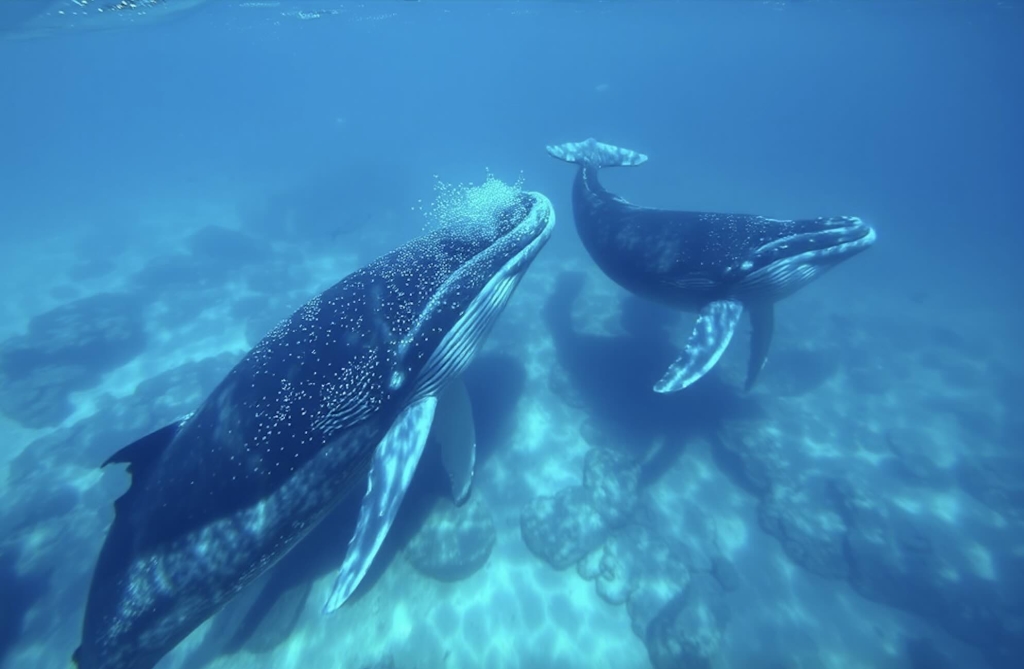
column 470, row 209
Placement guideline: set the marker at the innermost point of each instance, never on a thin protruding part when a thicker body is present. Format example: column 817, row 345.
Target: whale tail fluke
column 592, row 153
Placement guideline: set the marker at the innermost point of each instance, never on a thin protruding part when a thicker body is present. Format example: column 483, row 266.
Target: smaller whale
column 717, row 265
column 341, row 395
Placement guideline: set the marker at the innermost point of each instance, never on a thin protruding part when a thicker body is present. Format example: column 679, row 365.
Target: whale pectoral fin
column 708, row 341
column 762, row 325
column 454, row 430
column 393, row 465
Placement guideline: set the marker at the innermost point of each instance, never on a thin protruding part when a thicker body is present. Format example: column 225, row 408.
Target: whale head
column 478, row 253
column 798, row 251
column 496, row 236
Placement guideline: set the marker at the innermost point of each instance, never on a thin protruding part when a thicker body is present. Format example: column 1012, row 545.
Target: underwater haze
column 178, row 176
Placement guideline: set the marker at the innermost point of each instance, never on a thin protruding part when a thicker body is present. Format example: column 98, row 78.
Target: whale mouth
column 533, row 229
column 843, row 235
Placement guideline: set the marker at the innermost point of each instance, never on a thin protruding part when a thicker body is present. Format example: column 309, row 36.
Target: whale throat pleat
column 461, row 343
column 779, row 278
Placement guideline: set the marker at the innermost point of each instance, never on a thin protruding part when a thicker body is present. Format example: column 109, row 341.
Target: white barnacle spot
column 281, row 409
column 310, row 310
column 348, row 395
column 397, row 378
column 747, row 265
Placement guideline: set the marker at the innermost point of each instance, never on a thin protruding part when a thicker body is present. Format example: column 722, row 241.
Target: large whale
column 718, row 265
column 341, row 394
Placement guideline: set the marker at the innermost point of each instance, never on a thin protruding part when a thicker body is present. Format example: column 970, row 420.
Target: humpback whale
column 715, row 264
column 343, row 393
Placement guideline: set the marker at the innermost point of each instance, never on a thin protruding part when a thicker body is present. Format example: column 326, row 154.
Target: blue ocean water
column 176, row 177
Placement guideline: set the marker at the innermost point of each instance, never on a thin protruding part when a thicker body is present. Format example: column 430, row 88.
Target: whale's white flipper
column 394, row 462
column 708, row 341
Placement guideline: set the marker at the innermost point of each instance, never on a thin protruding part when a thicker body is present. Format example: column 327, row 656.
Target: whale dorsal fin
column 141, row 455
column 144, row 451
column 762, row 324
column 708, row 341
column 394, row 462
